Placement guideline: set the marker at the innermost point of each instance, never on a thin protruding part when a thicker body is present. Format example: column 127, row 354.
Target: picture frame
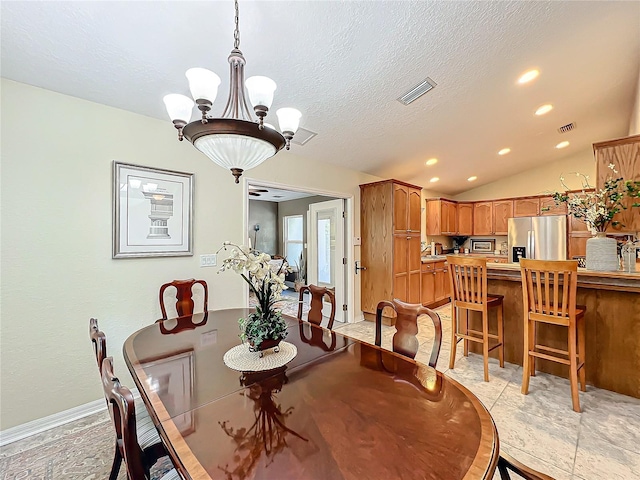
column 152, row 212
column 482, row 246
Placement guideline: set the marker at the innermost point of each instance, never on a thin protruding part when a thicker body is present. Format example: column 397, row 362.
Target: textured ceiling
column 343, row 64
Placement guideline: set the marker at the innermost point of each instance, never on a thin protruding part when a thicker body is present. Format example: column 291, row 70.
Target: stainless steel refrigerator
column 542, row 238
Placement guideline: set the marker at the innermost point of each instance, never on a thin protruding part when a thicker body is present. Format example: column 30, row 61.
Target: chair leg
column 526, row 371
column 573, row 368
column 466, row 332
column 454, row 338
column 532, row 347
column 115, row 466
column 501, row 335
column 485, row 343
column 582, row 375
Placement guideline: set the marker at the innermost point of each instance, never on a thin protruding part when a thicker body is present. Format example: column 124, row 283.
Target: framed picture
column 152, row 212
column 172, row 380
column 482, row 246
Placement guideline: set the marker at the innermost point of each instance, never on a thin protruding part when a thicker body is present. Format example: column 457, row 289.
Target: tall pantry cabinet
column 390, row 214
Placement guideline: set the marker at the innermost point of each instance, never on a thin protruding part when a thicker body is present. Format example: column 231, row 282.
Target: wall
column 264, row 214
column 537, row 181
column 634, row 122
column 57, row 269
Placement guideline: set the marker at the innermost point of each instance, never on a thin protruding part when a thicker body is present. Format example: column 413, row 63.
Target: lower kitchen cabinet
column 435, row 284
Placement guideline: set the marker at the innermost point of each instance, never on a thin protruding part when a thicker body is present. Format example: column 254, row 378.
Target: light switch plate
column 210, row 260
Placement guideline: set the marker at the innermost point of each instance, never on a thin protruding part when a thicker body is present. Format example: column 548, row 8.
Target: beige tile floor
column 540, row 429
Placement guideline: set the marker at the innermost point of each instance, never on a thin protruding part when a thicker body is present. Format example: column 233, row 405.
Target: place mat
column 241, row 359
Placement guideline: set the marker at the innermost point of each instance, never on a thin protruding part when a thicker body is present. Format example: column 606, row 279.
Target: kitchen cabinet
column 441, row 217
column 526, row 207
column 465, row 219
column 502, row 212
column 578, row 236
column 624, row 153
column 428, row 285
column 548, row 207
column 482, row 218
column 435, row 283
column 390, row 232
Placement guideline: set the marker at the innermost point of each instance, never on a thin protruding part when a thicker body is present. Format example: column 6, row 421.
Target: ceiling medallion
column 235, row 141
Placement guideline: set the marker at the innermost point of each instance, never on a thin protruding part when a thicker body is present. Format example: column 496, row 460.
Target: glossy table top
column 339, row 409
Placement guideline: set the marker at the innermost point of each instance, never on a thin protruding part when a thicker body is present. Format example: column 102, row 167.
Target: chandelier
column 236, row 140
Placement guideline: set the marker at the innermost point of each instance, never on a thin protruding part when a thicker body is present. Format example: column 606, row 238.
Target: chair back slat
column 405, row 339
column 122, row 411
column 317, row 298
column 468, row 279
column 184, row 297
column 98, row 341
column 549, row 287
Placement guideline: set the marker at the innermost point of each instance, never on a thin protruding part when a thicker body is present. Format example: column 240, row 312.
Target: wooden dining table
column 341, row 409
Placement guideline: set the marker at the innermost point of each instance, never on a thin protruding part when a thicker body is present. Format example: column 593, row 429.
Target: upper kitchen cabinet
column 406, row 208
column 465, row 219
column 442, row 217
column 483, row 218
column 502, row 212
column 548, row 207
column 624, row 154
column 526, row 207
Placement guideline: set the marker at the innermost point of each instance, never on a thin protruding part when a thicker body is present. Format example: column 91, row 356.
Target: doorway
column 309, row 229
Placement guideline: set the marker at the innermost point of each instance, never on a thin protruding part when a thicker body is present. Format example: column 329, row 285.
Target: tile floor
column 539, row 429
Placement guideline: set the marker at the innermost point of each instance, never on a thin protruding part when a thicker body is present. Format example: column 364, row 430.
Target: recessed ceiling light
column 472, row 179
column 434, row 179
column 504, row 151
column 562, row 144
column 431, row 161
column 544, row 109
column 526, row 77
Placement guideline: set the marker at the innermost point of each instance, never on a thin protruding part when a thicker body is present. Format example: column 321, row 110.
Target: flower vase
column 602, row 253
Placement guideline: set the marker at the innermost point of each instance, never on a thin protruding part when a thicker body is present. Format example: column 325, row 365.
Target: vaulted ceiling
column 344, row 64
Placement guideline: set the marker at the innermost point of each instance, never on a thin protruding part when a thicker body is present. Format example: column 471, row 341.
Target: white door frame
column 348, row 233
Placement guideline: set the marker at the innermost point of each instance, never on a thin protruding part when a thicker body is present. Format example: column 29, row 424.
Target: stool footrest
column 550, row 357
column 469, row 337
column 553, row 350
column 477, row 332
column 496, row 346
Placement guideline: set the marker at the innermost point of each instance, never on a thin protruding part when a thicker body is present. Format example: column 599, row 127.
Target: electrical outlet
column 210, row 260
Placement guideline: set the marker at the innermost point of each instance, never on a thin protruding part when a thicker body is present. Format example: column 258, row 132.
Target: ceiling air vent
column 417, row 91
column 302, row 136
column 567, row 128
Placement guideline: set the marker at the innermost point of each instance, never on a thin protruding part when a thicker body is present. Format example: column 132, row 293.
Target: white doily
column 241, row 359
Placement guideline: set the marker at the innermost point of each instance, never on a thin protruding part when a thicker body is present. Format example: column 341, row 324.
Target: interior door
column 325, row 252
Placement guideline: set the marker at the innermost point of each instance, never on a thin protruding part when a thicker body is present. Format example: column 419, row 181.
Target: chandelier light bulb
column 260, row 91
column 203, row 84
column 289, row 119
column 179, row 107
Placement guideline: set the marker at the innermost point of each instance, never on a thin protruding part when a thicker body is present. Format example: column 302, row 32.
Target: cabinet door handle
column 408, row 238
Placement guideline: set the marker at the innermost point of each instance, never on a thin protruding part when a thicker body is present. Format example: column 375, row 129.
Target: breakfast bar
column 612, row 319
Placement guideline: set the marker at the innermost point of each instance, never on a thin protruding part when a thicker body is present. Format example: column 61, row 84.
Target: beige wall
column 537, row 181
column 634, row 122
column 57, row 269
column 264, row 214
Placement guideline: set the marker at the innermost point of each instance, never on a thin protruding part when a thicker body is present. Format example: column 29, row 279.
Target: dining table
column 340, row 409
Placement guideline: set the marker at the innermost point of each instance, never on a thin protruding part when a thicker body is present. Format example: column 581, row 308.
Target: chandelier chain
column 236, row 32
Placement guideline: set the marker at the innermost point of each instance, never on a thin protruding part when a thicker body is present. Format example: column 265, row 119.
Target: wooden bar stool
column 549, row 296
column 468, row 278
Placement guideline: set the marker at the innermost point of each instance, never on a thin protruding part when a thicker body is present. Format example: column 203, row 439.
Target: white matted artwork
column 152, row 212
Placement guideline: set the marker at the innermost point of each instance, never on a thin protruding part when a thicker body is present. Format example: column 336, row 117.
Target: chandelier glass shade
column 236, row 141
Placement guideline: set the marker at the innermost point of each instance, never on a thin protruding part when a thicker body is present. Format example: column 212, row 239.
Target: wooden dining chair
column 129, row 446
column 146, row 431
column 549, row 289
column 317, row 298
column 184, row 296
column 506, row 463
column 468, row 280
column 405, row 339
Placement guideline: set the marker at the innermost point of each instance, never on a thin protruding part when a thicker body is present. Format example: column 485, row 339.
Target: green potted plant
column 264, row 328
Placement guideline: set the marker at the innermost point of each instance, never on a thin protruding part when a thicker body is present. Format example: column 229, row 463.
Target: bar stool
column 549, row 296
column 468, row 278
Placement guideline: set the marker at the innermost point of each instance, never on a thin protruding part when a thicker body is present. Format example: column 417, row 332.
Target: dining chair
column 506, row 463
column 549, row 289
column 184, row 296
column 405, row 339
column 468, row 280
column 129, row 446
column 317, row 298
column 146, row 431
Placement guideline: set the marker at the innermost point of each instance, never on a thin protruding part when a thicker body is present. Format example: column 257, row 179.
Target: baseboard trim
column 20, row 432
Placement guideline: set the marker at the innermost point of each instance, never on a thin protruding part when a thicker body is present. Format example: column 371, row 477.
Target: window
column 293, row 227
